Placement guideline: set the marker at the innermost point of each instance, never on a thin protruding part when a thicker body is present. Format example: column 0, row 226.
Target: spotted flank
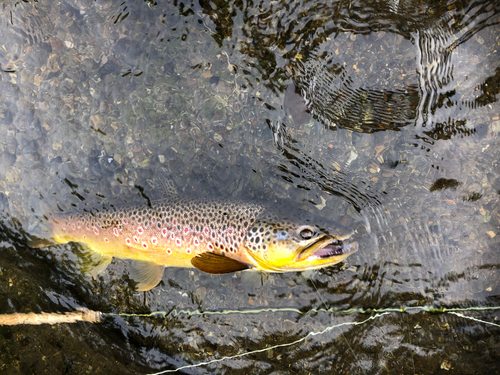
column 213, row 235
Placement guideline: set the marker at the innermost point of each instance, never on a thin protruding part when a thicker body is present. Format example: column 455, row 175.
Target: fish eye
column 307, row 233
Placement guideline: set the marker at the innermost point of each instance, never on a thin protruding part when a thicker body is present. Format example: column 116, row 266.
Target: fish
column 214, row 235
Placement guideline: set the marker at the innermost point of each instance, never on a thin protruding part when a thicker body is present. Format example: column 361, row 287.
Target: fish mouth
column 336, row 248
column 327, row 249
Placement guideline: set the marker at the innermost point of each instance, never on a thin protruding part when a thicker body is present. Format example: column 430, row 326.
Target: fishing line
column 85, row 315
column 271, row 347
column 379, row 313
column 190, row 312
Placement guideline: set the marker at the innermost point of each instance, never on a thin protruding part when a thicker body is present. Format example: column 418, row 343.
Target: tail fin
column 35, row 242
column 40, row 236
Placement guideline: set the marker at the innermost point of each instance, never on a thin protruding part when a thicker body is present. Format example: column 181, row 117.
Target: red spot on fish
column 230, row 231
column 206, row 231
column 186, row 230
column 174, row 222
column 64, row 227
column 84, row 237
column 154, row 241
column 188, row 251
column 106, row 240
column 145, row 245
column 136, row 240
column 96, row 231
column 128, row 241
column 196, row 242
column 210, row 246
column 88, row 226
column 169, row 251
column 140, row 230
column 164, row 232
column 73, row 226
column 125, row 221
column 178, row 242
column 115, row 231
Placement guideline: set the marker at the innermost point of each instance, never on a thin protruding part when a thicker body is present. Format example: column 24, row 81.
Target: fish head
column 297, row 242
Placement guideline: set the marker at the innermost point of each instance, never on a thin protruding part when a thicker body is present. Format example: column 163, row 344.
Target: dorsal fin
column 166, row 186
column 163, row 185
column 217, row 264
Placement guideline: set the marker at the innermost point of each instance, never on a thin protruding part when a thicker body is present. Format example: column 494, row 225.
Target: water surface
column 381, row 115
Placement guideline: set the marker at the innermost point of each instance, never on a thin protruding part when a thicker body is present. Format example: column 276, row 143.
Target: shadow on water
column 382, row 116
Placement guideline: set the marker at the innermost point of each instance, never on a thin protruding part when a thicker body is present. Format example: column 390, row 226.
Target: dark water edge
column 412, row 341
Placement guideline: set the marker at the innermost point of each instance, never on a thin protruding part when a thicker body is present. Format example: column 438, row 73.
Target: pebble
column 495, row 127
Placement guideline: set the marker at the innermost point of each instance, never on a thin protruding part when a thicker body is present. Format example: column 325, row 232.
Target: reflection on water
column 382, row 116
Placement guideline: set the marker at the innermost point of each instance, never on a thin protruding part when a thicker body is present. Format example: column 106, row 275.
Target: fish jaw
column 325, row 254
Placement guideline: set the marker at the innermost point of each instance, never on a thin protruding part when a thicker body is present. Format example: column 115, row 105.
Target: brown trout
column 214, row 235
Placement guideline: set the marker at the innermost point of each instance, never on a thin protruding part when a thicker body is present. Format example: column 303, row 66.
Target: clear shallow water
column 383, row 115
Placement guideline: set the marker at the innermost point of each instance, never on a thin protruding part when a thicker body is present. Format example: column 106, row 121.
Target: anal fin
column 217, row 264
column 146, row 275
column 95, row 263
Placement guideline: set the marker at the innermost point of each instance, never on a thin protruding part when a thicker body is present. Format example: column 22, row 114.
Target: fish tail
column 36, row 243
column 41, row 236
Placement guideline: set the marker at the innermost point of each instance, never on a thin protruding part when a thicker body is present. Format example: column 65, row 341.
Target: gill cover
column 296, row 242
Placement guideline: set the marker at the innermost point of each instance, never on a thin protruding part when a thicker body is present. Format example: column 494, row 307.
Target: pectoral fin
column 146, row 275
column 217, row 264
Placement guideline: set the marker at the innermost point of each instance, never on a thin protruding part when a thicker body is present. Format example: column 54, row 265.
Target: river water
column 381, row 115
